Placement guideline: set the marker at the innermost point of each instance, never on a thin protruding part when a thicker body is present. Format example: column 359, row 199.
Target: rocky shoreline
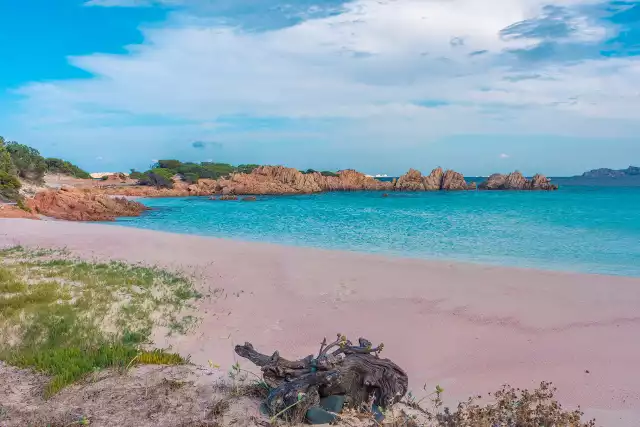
column 99, row 202
column 277, row 180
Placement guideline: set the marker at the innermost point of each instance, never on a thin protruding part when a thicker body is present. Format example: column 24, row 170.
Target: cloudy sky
column 379, row 85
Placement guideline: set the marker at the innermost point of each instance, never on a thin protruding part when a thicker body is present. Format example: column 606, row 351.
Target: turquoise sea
column 578, row 228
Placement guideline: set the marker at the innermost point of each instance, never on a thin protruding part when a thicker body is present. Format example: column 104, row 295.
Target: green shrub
column 309, row 171
column 191, row 178
column 30, row 165
column 9, row 182
column 66, row 168
column 168, row 164
column 22, row 206
column 158, row 177
column 136, row 175
column 328, row 173
column 246, row 168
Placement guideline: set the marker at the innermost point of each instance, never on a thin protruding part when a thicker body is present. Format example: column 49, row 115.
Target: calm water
column 589, row 229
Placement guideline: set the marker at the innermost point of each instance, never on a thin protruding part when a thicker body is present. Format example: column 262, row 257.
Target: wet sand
column 468, row 328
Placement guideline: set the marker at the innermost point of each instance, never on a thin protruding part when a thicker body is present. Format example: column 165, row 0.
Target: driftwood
column 341, row 368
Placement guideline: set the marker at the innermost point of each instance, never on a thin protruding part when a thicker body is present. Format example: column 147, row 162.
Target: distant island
column 604, row 177
column 631, row 171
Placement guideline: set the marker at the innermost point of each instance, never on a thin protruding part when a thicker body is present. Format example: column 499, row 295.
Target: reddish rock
column 281, row 180
column 12, row 211
column 541, row 182
column 453, row 181
column 411, row 181
column 516, row 181
column 494, row 182
column 249, row 199
column 436, row 180
column 228, row 197
column 83, row 205
column 433, row 182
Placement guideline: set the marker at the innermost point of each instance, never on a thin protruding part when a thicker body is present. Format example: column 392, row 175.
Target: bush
column 66, row 168
column 328, row 173
column 246, row 168
column 136, row 175
column 191, row 178
column 508, row 407
column 28, row 161
column 22, row 206
column 158, row 177
column 309, row 171
column 9, row 182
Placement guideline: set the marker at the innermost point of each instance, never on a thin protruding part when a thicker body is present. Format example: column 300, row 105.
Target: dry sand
column 469, row 328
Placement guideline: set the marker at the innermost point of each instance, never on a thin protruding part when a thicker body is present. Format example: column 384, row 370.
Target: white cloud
column 504, row 156
column 369, row 67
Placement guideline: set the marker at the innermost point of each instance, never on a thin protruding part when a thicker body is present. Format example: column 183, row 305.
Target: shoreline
column 393, row 255
column 469, row 328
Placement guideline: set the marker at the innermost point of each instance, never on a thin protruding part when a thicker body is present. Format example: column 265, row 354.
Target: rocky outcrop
column 13, row 211
column 282, row 180
column 350, row 180
column 516, row 181
column 453, row 181
column 83, row 205
column 411, row 181
column 204, row 187
column 541, row 182
column 435, row 181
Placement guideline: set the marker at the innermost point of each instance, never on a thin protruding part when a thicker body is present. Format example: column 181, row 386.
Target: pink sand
column 466, row 327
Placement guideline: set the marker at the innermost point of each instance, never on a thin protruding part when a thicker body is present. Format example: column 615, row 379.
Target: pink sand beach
column 468, row 328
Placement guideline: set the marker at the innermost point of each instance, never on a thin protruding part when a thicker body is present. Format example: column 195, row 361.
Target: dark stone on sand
column 317, row 415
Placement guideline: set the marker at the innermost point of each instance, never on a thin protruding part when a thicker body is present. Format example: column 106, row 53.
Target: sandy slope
column 468, row 328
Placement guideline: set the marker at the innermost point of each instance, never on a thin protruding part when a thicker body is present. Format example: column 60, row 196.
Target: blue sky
column 379, row 85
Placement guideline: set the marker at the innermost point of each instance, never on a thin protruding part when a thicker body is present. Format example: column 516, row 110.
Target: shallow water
column 587, row 229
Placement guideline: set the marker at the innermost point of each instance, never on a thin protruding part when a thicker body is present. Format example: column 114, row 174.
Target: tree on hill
column 168, row 164
column 66, row 168
column 158, row 177
column 9, row 182
column 30, row 165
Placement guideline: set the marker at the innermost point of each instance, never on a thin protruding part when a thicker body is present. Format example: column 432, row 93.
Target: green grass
column 68, row 318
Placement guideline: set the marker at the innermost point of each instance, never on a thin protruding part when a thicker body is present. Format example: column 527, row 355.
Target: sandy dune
column 468, row 328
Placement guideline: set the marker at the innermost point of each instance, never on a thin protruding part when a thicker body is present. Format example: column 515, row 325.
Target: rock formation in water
column 411, row 181
column 515, row 181
column 97, row 203
column 83, row 205
column 435, row 181
column 281, row 180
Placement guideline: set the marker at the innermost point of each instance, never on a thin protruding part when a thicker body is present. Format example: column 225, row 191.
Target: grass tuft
column 68, row 318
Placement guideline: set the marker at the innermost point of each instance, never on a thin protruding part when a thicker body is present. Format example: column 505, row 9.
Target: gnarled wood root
column 354, row 371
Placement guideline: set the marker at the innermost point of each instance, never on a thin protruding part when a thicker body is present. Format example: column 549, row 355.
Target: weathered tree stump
column 341, row 368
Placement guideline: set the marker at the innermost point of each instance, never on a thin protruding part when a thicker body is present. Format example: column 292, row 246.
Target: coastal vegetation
column 323, row 173
column 9, row 182
column 30, row 165
column 21, row 162
column 162, row 172
column 64, row 167
column 67, row 318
